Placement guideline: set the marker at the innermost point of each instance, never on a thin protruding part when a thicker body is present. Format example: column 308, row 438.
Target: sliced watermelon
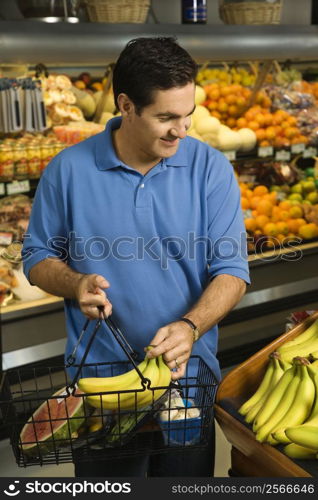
column 52, row 424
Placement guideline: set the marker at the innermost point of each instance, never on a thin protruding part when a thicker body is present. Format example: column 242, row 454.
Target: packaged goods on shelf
column 14, row 217
column 27, row 156
column 76, row 132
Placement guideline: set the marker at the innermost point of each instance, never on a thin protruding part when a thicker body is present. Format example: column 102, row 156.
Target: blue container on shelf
column 182, row 432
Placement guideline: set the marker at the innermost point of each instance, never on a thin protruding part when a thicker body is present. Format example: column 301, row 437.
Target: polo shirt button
column 142, row 186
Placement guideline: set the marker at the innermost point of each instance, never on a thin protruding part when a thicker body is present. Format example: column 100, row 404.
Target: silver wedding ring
column 177, row 364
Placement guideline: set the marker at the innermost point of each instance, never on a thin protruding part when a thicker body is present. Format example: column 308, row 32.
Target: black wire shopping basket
column 51, row 421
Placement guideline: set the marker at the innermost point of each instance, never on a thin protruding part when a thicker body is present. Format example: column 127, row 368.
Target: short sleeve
column 226, row 230
column 47, row 234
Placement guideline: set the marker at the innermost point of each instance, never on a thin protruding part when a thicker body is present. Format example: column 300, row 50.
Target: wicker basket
column 117, row 11
column 251, row 12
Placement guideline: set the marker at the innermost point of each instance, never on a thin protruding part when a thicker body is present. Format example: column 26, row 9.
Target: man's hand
column 90, row 294
column 174, row 342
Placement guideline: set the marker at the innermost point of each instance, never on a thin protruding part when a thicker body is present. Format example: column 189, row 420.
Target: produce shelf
column 236, row 387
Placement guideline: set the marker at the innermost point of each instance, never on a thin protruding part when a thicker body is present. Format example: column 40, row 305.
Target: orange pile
column 276, row 129
column 228, row 102
column 278, row 220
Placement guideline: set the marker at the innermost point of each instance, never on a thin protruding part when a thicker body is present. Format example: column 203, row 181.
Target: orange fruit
column 231, row 122
column 295, row 211
column 233, row 110
column 284, row 215
column 212, row 105
column 225, row 90
column 230, row 99
column 292, row 225
column 241, row 122
column 265, row 207
column 270, row 132
column 260, row 190
column 271, row 196
column 250, row 224
column 267, row 102
column 249, row 193
column 264, row 143
column 260, row 134
column 254, row 201
column 291, row 132
column 216, row 114
column 268, row 119
column 285, row 205
column 301, row 222
column 253, row 125
column 245, row 204
column 270, row 229
column 222, row 107
column 261, row 221
column 260, row 119
column 308, row 231
column 214, row 94
column 241, row 101
column 292, row 120
column 282, row 228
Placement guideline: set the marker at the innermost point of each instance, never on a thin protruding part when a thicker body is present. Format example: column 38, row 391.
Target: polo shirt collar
column 107, row 159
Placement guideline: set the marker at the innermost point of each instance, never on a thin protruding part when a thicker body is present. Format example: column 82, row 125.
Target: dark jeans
column 186, row 463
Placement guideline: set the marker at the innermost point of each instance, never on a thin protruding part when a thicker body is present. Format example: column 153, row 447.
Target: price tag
column 6, row 238
column 17, row 187
column 297, row 148
column 265, row 151
column 2, row 189
column 231, row 155
column 310, row 152
column 282, row 155
column 247, row 179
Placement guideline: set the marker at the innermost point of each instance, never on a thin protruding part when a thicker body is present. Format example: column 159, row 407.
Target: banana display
column 284, row 408
column 125, row 391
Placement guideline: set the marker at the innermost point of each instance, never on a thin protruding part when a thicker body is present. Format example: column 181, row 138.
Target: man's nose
column 179, row 132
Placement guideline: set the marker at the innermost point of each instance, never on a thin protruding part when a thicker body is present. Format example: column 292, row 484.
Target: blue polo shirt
column 158, row 239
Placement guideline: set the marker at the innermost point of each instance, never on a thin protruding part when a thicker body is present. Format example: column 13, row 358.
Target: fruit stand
column 250, row 457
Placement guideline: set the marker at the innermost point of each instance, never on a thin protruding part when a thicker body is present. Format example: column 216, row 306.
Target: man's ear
column 125, row 105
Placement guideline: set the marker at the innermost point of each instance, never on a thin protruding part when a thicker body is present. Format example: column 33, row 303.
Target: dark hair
column 148, row 64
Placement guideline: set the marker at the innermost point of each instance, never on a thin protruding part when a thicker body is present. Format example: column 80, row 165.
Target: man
column 154, row 218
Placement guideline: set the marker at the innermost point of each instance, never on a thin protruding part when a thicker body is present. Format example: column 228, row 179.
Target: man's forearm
column 220, row 296
column 55, row 277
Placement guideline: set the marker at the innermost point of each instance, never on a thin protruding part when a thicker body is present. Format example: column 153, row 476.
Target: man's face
column 160, row 126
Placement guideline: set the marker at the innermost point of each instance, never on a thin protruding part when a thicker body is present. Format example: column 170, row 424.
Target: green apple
column 308, row 186
column 274, row 188
column 312, row 197
column 297, row 188
column 295, row 196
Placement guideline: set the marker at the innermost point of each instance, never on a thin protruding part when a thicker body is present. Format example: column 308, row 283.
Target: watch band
column 195, row 330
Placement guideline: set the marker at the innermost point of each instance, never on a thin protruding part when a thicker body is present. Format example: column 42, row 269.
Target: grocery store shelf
column 31, row 42
column 22, row 310
column 33, row 354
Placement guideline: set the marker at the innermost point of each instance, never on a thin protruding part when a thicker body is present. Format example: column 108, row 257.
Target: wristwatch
column 195, row 330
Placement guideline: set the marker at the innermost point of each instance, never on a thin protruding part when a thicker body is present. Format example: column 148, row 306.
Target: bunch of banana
column 283, row 399
column 126, row 391
column 272, row 375
column 302, row 403
column 306, row 434
column 303, row 345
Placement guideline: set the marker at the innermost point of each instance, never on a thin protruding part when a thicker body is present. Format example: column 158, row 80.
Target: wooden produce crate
column 249, row 457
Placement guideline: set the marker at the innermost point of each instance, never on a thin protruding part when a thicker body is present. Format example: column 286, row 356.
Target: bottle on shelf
column 194, row 11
